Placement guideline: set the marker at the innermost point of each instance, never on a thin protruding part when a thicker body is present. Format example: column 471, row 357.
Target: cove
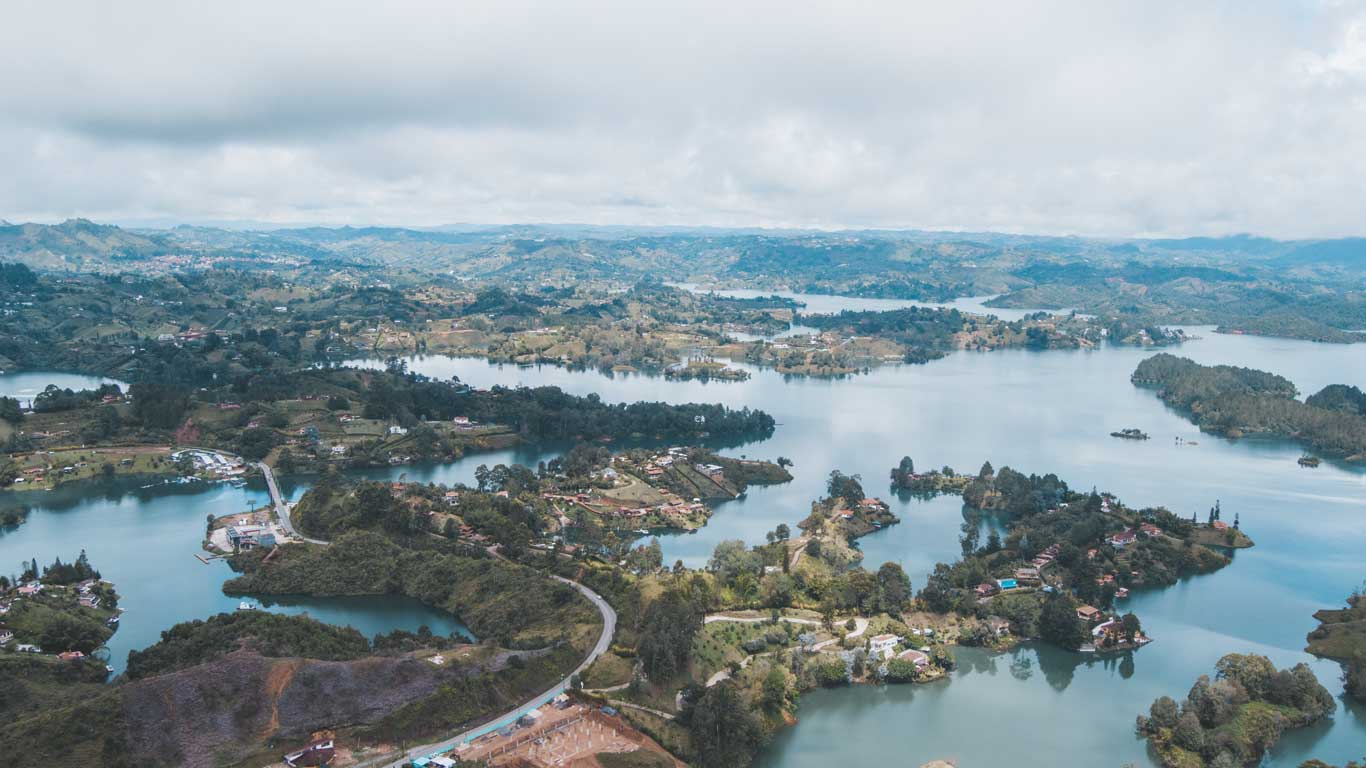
column 144, row 540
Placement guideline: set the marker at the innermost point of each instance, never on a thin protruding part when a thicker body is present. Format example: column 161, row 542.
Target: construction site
column 552, row 737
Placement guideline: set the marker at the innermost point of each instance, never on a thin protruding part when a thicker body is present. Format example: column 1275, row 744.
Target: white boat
column 245, row 606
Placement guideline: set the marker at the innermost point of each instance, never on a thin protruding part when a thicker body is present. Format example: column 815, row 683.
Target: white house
column 6, row 635
column 882, row 645
column 397, row 430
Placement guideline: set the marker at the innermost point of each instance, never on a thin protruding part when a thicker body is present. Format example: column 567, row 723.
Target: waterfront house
column 1088, row 613
column 882, row 645
column 919, row 658
column 1219, row 525
column 71, row 655
column 1121, row 593
column 89, row 601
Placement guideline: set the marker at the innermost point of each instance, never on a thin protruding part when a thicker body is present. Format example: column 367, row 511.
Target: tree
column 731, row 558
column 1131, row 626
column 724, row 731
column 782, row 532
column 10, row 410
column 986, row 471
column 1058, row 623
column 1164, row 712
column 666, row 634
column 894, row 588
column 1188, row 734
column 774, row 692
column 846, row 487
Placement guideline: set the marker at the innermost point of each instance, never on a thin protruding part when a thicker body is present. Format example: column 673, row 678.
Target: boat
column 1130, row 434
column 1309, row 461
column 245, row 606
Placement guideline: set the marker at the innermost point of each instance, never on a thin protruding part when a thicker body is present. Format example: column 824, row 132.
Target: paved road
column 609, row 628
column 281, row 506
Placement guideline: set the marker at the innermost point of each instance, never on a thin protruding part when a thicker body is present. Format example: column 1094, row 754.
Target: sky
column 1092, row 118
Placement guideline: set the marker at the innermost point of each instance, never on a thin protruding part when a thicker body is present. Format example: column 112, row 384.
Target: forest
column 1243, row 402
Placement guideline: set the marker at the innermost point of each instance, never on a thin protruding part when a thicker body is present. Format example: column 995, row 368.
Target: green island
column 63, row 613
column 1066, row 559
column 1242, row 402
column 1341, row 636
column 1234, row 719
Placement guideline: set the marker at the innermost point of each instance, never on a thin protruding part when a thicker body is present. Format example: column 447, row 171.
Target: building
column 250, row 536
column 89, row 601
column 71, row 655
column 6, row 634
column 1122, row 539
column 1005, row 584
column 919, row 658
column 397, row 430
column 1088, row 614
column 1027, row 575
column 317, row 753
column 1149, row 530
column 985, row 589
column 999, row 626
column 882, row 645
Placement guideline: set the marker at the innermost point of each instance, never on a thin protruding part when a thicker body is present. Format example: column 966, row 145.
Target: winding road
column 609, row 629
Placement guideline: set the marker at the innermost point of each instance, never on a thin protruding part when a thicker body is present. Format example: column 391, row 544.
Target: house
column 84, row 587
column 1122, row 539
column 882, row 645
column 1027, row 574
column 1149, row 530
column 338, row 450
column 711, row 470
column 71, row 655
column 1005, row 584
column 1088, row 613
column 89, row 601
column 317, row 753
column 985, row 589
column 1219, row 525
column 27, row 648
column 397, row 430
column 6, row 634
column 999, row 626
column 1121, row 593
column 919, row 658
column 32, row 588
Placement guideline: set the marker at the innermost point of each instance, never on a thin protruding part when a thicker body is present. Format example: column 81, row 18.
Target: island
column 1341, row 636
column 1066, row 558
column 1234, row 719
column 1243, row 402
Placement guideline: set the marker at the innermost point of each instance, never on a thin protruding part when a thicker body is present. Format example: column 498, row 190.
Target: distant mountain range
column 544, row 250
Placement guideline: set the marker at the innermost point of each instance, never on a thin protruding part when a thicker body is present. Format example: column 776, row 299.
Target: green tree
column 724, row 731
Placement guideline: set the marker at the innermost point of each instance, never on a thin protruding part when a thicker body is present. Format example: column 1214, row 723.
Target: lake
column 24, row 385
column 1041, row 412
column 1035, row 411
column 144, row 540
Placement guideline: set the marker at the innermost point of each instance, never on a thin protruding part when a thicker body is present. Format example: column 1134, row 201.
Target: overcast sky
column 1137, row 118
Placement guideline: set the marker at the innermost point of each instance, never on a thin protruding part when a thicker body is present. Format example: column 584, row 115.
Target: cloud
column 1050, row 117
